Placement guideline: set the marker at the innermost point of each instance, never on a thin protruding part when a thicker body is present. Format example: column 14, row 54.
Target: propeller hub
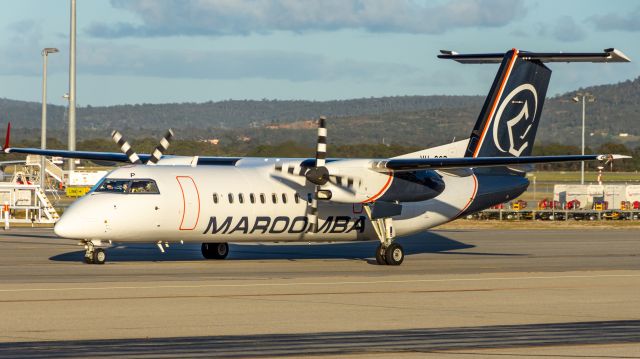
column 317, row 175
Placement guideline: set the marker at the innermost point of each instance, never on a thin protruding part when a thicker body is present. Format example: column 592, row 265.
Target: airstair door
column 190, row 203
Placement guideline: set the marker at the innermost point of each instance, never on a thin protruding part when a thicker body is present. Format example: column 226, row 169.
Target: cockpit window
column 144, row 186
column 114, row 185
column 127, row 186
column 97, row 185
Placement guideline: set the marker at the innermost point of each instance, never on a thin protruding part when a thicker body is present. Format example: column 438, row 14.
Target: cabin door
column 190, row 203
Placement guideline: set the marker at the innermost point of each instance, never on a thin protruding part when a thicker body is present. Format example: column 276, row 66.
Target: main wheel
column 380, row 257
column 215, row 250
column 88, row 258
column 394, row 254
column 99, row 256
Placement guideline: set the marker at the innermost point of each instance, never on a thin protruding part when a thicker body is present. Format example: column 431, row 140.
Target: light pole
column 72, row 86
column 585, row 96
column 43, row 136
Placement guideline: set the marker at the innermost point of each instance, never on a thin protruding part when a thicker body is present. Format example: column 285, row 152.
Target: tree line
column 421, row 121
column 291, row 148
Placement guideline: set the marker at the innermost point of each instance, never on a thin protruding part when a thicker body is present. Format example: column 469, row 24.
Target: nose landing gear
column 93, row 255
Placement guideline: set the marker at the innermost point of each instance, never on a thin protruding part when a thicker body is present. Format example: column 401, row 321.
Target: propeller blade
column 162, row 146
column 125, row 147
column 345, row 182
column 313, row 211
column 318, row 174
column 321, row 148
column 291, row 169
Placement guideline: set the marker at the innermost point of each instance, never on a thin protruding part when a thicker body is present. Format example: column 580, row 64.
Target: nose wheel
column 94, row 255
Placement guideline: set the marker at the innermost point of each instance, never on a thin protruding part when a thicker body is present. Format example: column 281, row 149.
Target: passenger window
column 215, row 198
column 274, row 198
column 240, row 198
column 296, row 197
column 284, row 198
column 230, row 197
column 252, row 198
column 114, row 186
column 262, row 198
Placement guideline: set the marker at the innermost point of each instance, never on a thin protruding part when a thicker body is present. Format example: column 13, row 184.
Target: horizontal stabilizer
column 413, row 164
column 608, row 55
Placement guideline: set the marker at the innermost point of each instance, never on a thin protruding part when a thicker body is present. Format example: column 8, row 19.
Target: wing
column 112, row 157
column 412, row 164
column 108, row 157
column 85, row 155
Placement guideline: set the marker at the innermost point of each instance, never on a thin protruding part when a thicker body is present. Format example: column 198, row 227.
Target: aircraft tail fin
column 7, row 138
column 507, row 124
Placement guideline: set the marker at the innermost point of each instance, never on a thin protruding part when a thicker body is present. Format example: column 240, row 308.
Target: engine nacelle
column 389, row 187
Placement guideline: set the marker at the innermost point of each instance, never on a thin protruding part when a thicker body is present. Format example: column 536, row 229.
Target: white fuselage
column 225, row 204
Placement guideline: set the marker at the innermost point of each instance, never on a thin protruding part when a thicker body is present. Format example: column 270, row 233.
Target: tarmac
column 459, row 294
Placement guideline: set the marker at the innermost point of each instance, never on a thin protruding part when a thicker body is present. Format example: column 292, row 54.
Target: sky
column 166, row 51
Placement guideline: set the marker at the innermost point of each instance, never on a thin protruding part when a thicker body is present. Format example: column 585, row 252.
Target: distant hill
column 408, row 120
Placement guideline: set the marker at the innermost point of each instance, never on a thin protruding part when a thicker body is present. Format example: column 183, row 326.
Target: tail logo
column 517, row 127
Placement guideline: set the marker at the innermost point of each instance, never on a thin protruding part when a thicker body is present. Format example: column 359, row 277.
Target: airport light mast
column 584, row 97
column 43, row 136
column 72, row 85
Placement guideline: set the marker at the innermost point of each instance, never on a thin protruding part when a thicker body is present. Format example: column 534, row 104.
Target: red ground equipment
column 573, row 204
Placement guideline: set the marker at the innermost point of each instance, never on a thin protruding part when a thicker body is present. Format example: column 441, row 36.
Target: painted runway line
column 262, row 285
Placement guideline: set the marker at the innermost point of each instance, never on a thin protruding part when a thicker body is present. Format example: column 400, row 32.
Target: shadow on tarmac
column 428, row 242
column 419, row 340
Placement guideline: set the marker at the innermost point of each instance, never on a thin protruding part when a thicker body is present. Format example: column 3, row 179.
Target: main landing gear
column 392, row 255
column 215, row 250
column 387, row 252
column 94, row 254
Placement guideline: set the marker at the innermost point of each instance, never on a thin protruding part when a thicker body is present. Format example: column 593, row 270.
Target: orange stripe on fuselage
column 495, row 102
column 473, row 196
column 382, row 191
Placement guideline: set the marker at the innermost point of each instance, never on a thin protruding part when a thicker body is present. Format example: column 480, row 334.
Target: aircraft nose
column 73, row 225
column 65, row 228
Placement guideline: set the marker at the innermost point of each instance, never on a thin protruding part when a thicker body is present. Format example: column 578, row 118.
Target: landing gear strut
column 215, row 250
column 387, row 252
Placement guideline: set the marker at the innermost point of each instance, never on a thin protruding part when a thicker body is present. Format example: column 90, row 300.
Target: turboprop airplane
column 216, row 200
